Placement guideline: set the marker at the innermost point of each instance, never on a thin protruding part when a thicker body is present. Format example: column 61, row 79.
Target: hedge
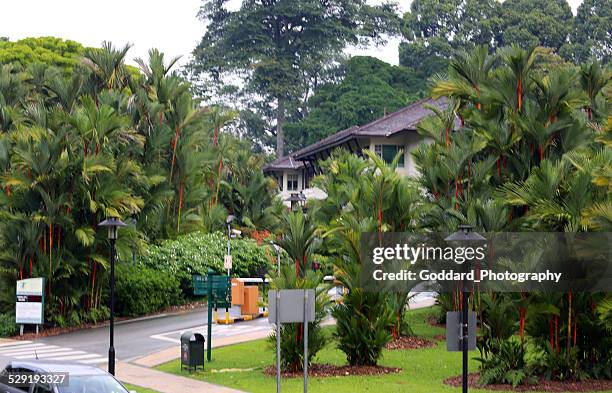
column 8, row 327
column 196, row 252
column 142, row 291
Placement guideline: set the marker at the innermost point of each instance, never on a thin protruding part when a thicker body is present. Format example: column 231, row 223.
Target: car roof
column 74, row 369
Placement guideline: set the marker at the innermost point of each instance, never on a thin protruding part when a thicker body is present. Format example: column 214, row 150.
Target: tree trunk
column 280, row 133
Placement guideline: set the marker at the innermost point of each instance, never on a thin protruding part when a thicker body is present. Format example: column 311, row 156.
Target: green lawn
column 240, row 366
column 138, row 389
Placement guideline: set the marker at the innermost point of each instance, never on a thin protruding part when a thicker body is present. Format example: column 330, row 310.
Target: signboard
column 453, row 331
column 291, row 306
column 30, row 304
column 227, row 262
column 220, row 287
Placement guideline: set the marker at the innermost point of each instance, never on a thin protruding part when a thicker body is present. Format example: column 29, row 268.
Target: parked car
column 81, row 378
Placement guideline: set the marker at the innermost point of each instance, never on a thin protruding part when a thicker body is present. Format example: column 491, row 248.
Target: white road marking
column 32, row 347
column 58, row 352
column 48, row 348
column 218, row 331
column 76, row 357
column 30, row 351
column 99, row 360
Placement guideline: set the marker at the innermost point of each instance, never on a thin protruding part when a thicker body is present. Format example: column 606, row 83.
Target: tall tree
column 369, row 88
column 591, row 35
column 433, row 29
column 529, row 23
column 268, row 43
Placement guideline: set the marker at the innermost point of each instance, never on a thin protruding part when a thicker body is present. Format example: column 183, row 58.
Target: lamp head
column 113, row 224
column 466, row 234
column 230, row 219
column 276, row 246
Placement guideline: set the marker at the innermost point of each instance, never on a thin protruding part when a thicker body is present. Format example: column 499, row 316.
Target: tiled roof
column 405, row 119
column 287, row 162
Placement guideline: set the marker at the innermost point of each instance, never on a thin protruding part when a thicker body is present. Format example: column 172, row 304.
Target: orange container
column 237, row 292
column 251, row 296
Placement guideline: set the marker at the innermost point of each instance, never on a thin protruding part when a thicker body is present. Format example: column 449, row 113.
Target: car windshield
column 92, row 384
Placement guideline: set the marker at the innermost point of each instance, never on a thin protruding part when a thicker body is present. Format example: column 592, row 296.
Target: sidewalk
column 165, row 383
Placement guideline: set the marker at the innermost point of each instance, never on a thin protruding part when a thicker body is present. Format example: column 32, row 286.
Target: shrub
column 8, row 327
column 196, row 252
column 505, row 364
column 363, row 320
column 141, row 290
column 292, row 339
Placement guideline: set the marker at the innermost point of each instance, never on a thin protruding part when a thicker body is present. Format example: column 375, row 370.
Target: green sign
column 217, row 288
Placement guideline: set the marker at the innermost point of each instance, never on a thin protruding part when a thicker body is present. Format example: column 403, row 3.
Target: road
column 138, row 338
column 133, row 339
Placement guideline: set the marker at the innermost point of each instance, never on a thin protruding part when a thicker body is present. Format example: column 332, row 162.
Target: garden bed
column 543, row 385
column 330, row 370
column 410, row 342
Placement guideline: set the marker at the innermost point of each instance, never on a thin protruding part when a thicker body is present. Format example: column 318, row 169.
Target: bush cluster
column 8, row 327
column 141, row 290
column 197, row 252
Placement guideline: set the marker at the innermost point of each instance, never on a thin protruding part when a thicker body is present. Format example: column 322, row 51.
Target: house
column 385, row 136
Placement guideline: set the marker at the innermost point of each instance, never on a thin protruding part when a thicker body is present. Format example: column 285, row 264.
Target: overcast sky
column 170, row 26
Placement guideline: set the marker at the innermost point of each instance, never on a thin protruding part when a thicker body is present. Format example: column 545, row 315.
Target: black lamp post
column 113, row 225
column 464, row 234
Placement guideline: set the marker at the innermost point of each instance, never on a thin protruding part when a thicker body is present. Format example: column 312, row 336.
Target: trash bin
column 192, row 350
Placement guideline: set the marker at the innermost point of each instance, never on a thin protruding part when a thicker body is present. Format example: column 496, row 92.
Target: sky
column 172, row 27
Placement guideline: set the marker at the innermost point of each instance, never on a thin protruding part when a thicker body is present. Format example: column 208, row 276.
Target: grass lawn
column 240, row 366
column 138, row 389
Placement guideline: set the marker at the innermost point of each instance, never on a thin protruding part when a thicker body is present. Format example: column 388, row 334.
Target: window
column 292, row 182
column 388, row 153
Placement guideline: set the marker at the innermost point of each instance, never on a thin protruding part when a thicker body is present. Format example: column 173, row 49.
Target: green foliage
column 531, row 155
column 590, row 37
column 79, row 317
column 281, row 48
column 8, row 327
column 505, row 364
column 434, row 30
column 142, row 290
column 99, row 140
column 530, row 23
column 292, row 334
column 299, row 240
column 57, row 52
column 368, row 89
column 196, row 252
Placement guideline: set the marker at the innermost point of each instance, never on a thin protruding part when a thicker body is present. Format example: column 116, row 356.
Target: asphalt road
column 133, row 339
column 137, row 338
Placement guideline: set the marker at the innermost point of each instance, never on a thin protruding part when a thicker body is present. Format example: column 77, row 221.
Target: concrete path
column 166, row 383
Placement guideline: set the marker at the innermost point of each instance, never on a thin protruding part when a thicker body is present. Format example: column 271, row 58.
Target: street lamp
column 297, row 200
column 113, row 225
column 278, row 256
column 464, row 234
